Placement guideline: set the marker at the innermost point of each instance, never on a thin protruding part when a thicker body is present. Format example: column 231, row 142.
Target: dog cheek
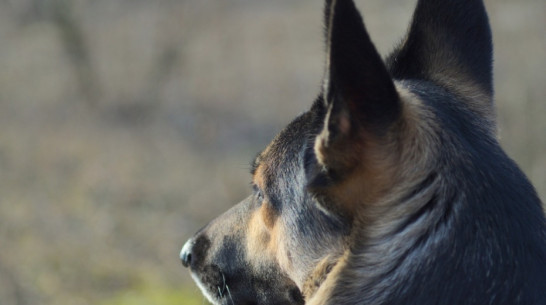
column 258, row 239
column 265, row 242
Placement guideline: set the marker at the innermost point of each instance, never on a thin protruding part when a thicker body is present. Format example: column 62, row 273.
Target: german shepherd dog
column 392, row 189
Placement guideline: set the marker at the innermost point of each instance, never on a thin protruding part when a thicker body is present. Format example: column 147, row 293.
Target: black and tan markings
column 392, row 189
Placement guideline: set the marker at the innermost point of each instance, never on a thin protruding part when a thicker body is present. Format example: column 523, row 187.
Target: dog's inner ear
column 359, row 96
column 449, row 42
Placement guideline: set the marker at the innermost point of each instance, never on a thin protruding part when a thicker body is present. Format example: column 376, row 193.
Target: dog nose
column 185, row 253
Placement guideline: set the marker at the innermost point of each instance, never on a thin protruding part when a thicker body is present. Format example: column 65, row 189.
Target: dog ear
column 449, row 42
column 360, row 99
column 356, row 79
column 358, row 93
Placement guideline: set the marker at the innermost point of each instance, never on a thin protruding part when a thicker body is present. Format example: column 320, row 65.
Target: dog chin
column 206, row 291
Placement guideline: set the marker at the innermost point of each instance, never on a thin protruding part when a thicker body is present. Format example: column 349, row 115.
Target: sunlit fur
column 392, row 189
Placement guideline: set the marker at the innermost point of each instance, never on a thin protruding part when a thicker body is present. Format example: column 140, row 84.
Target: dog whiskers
column 229, row 294
column 222, row 290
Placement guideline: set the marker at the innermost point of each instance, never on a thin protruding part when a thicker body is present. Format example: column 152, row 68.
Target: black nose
column 194, row 252
column 185, row 253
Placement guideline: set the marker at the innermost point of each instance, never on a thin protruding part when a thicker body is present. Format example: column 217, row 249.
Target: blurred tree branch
column 76, row 48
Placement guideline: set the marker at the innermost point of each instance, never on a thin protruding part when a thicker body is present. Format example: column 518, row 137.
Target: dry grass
column 126, row 125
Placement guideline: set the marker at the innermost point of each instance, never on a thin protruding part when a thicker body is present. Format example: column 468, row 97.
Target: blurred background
column 127, row 125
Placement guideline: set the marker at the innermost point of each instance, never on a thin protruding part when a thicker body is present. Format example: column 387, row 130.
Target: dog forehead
column 286, row 148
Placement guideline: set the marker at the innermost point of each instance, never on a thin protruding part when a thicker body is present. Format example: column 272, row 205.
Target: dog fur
column 392, row 189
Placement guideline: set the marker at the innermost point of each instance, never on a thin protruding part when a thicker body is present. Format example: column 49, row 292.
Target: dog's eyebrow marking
column 254, row 164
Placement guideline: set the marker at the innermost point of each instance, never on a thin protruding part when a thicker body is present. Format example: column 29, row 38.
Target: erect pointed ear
column 449, row 42
column 359, row 94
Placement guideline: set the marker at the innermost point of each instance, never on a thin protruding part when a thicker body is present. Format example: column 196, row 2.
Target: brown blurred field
column 126, row 125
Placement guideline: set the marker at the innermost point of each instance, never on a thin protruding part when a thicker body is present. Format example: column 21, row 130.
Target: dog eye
column 258, row 193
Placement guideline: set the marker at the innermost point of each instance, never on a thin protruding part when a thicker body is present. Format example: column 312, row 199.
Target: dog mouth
column 219, row 288
column 214, row 286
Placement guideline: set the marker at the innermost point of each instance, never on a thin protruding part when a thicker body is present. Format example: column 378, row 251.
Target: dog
column 391, row 189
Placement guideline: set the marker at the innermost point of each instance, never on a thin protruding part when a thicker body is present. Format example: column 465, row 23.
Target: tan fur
column 319, row 275
column 264, row 237
column 385, row 174
column 269, row 215
column 372, row 163
column 350, row 232
column 259, row 178
column 322, row 294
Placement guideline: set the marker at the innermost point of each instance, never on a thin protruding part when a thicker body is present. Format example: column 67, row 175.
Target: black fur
column 472, row 230
column 357, row 77
column 486, row 241
column 448, row 31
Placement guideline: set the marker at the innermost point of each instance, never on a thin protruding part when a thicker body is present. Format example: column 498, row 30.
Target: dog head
column 367, row 140
column 263, row 249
